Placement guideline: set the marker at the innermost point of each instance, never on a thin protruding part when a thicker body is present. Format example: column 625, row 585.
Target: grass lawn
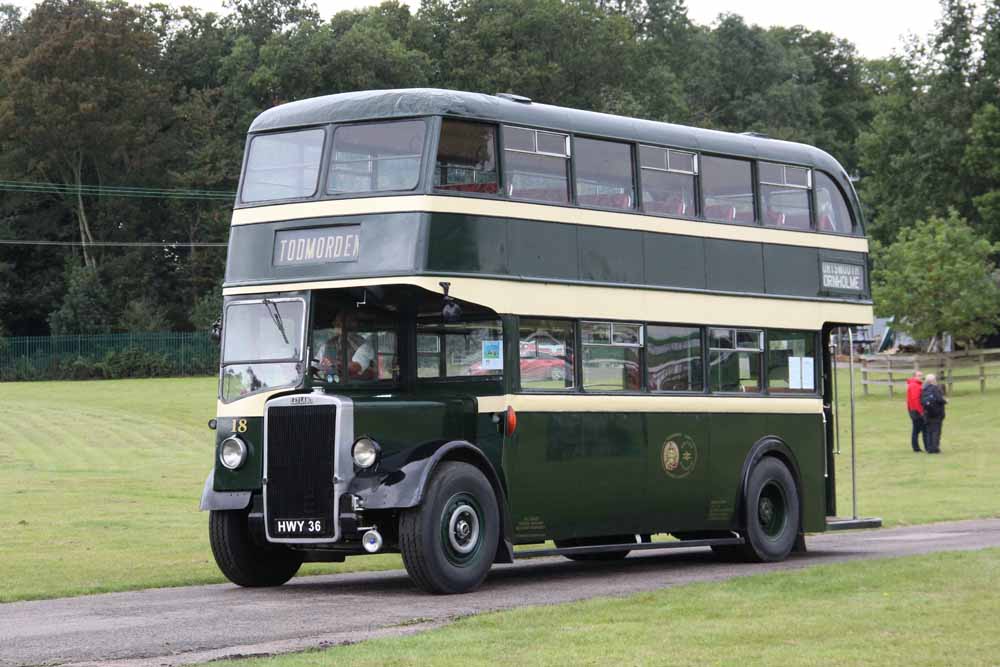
column 100, row 481
column 939, row 609
column 99, row 487
column 907, row 488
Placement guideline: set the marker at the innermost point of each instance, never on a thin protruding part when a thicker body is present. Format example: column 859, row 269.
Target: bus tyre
column 771, row 512
column 449, row 541
column 243, row 561
column 596, row 541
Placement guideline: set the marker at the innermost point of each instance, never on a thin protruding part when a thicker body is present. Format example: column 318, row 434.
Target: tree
column 82, row 102
column 85, row 308
column 938, row 278
column 144, row 315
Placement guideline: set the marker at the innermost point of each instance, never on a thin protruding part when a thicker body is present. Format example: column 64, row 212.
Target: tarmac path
column 174, row 626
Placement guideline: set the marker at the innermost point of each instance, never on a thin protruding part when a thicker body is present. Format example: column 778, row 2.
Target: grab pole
column 835, row 402
column 854, row 484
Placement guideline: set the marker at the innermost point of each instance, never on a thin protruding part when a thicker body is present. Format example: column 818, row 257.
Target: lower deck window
column 791, row 362
column 673, row 358
column 734, row 359
column 461, row 349
column 545, row 353
column 611, row 356
column 349, row 346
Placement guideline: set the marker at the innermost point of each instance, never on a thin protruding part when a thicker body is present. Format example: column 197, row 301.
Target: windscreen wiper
column 272, row 310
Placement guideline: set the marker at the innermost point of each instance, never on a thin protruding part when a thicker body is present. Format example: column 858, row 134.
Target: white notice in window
column 795, row 372
column 808, row 374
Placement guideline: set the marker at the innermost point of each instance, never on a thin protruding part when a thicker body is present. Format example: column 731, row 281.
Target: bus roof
column 408, row 102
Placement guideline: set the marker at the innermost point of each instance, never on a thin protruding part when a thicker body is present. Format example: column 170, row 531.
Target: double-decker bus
column 455, row 323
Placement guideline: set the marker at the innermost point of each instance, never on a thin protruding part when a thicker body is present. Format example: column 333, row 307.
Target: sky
column 877, row 27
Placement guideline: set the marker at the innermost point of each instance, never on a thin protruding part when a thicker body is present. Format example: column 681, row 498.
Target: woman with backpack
column 933, row 401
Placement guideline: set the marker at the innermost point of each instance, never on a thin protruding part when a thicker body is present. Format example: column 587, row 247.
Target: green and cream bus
column 455, row 323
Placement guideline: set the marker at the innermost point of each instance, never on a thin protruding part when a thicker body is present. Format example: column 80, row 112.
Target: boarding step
column 840, row 523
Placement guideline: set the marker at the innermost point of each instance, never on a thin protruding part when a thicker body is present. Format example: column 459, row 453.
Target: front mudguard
column 402, row 483
column 222, row 500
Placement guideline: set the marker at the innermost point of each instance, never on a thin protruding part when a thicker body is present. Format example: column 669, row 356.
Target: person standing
column 913, row 387
column 933, row 401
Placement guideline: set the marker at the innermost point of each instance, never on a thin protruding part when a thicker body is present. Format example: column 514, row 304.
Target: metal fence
column 108, row 356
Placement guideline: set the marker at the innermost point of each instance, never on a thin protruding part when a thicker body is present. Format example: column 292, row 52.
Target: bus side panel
column 732, row 437
column 804, row 436
column 677, row 472
column 575, row 474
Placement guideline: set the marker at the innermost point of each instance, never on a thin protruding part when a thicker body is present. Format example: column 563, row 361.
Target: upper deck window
column 282, row 166
column 536, row 164
column 668, row 180
column 727, row 189
column 784, row 192
column 467, row 158
column 376, row 157
column 832, row 213
column 603, row 172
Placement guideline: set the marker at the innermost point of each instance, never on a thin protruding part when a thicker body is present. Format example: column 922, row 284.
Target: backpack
column 932, row 404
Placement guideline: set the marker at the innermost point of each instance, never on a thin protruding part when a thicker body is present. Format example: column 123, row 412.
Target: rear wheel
column 771, row 513
column 449, row 541
column 596, row 541
column 244, row 561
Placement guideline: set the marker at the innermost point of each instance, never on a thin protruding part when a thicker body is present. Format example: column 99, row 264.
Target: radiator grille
column 300, row 465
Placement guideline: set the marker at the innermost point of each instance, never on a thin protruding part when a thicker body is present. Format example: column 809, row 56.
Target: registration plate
column 299, row 527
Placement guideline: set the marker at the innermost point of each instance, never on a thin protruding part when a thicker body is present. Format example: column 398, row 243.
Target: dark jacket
column 932, row 400
column 913, row 387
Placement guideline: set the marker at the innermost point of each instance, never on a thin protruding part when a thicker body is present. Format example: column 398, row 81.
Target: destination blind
column 843, row 277
column 319, row 245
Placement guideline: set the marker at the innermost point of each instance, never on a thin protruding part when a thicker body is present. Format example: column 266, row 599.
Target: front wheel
column 449, row 541
column 771, row 512
column 244, row 561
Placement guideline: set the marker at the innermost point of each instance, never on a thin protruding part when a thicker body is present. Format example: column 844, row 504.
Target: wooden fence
column 893, row 370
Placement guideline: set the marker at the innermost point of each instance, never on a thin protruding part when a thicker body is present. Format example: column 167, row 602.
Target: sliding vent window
column 727, row 190
column 784, row 191
column 536, row 164
column 668, row 180
column 376, row 157
column 603, row 172
column 832, row 214
column 791, row 362
column 611, row 352
column 673, row 359
column 734, row 359
column 546, row 354
column 467, row 158
column 282, row 166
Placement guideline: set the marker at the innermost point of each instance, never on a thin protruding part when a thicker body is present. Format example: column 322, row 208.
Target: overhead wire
column 114, row 191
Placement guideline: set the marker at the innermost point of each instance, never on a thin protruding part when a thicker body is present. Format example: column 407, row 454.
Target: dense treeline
column 105, row 93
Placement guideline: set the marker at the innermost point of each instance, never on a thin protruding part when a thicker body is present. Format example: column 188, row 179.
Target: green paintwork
column 248, row 476
column 566, row 474
column 587, row 474
column 515, row 249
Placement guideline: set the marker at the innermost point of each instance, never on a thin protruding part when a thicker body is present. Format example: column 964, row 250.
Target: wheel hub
column 766, row 510
column 463, row 529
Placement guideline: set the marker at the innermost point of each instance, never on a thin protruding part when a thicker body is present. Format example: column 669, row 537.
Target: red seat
column 542, row 194
column 671, row 206
column 619, row 200
column 485, row 188
column 723, row 212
